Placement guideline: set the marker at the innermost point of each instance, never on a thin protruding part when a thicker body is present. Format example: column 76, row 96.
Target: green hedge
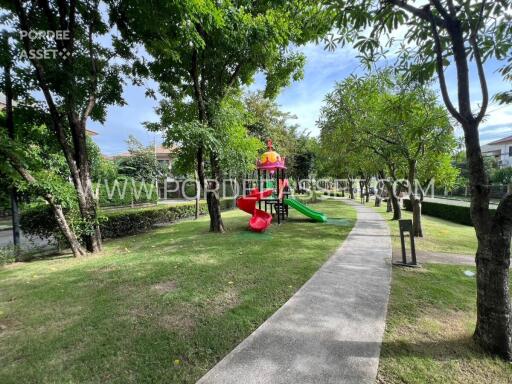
column 132, row 221
column 39, row 221
column 454, row 213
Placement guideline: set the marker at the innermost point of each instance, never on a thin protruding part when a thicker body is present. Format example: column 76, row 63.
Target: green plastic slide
column 305, row 210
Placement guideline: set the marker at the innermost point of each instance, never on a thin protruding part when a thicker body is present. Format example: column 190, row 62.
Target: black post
column 259, row 187
column 406, row 226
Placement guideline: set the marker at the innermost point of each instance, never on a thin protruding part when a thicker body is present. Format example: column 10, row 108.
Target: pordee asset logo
column 44, row 53
column 190, row 189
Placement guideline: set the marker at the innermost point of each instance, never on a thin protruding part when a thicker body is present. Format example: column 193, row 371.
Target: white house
column 501, row 150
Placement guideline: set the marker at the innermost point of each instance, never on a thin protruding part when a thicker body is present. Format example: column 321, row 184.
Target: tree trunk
column 494, row 313
column 367, row 190
column 15, row 213
column 494, row 322
column 73, row 242
column 378, row 193
column 351, row 188
column 415, row 202
column 416, row 216
column 198, row 194
column 212, row 197
column 397, row 211
column 389, row 206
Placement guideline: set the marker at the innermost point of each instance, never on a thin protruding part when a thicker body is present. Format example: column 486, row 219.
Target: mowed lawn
column 440, row 236
column 430, row 322
column 432, row 314
column 161, row 307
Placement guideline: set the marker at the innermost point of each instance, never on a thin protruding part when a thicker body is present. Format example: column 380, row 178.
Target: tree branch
column 234, row 75
column 479, row 64
column 440, row 73
column 423, row 13
column 437, row 4
column 94, row 78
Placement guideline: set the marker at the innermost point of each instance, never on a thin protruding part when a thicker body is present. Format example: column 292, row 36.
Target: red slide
column 260, row 220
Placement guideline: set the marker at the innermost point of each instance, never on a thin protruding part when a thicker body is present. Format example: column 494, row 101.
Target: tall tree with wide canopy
column 202, row 50
column 74, row 69
column 418, row 130
column 391, row 124
column 463, row 34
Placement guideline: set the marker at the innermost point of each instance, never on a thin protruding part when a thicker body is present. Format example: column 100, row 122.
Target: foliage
column 377, row 124
column 371, row 27
column 36, row 146
column 302, row 162
column 101, row 168
column 8, row 254
column 266, row 121
column 502, row 176
column 141, row 164
column 235, row 148
column 204, row 52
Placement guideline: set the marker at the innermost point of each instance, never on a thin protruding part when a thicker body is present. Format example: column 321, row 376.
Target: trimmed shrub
column 454, row 213
column 39, row 221
column 132, row 221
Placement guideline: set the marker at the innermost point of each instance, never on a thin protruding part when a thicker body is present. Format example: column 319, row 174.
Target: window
column 510, row 151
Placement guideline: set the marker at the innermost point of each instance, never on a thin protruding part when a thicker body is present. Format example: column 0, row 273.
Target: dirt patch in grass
column 224, row 301
column 7, row 326
column 165, row 287
column 177, row 321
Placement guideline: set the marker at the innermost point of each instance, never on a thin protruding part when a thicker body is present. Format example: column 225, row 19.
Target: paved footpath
column 331, row 330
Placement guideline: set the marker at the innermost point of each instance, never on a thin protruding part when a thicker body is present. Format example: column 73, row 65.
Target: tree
column 463, row 34
column 387, row 122
column 267, row 121
column 302, row 163
column 420, row 131
column 502, row 176
column 203, row 51
column 141, row 164
column 32, row 162
column 77, row 76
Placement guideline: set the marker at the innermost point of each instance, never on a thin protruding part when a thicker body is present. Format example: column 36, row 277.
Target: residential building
column 501, row 150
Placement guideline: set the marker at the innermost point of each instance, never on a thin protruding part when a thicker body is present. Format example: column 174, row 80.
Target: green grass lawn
column 430, row 322
column 163, row 306
column 439, row 235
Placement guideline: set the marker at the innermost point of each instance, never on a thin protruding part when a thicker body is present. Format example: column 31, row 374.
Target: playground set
column 273, row 193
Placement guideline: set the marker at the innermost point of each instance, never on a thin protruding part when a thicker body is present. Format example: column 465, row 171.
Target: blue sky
column 302, row 99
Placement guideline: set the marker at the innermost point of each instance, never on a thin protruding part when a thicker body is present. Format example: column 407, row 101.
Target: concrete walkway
column 331, row 330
